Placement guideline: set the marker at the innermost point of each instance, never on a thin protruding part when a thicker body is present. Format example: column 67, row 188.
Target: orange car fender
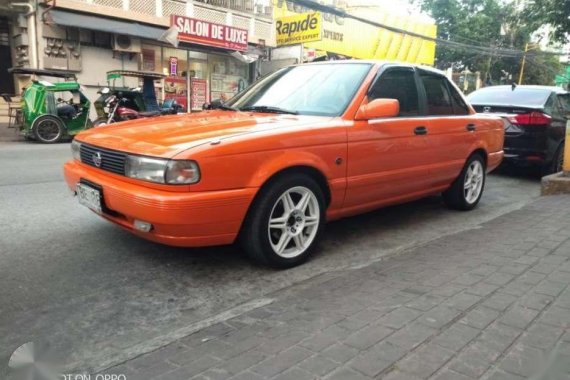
column 479, row 145
column 292, row 159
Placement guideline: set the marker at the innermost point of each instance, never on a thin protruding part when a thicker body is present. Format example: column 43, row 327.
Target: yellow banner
column 359, row 40
column 298, row 29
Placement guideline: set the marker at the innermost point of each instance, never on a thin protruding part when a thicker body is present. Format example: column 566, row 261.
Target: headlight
column 182, row 172
column 145, row 168
column 173, row 172
column 75, row 150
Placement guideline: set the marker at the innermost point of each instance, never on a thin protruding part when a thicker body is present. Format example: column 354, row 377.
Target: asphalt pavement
column 100, row 296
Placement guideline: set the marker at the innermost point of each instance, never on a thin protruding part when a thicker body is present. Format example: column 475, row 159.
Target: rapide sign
column 207, row 33
column 305, row 27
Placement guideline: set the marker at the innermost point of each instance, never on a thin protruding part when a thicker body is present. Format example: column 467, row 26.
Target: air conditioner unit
column 126, row 44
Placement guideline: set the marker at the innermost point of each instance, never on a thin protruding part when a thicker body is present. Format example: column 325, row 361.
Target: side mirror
column 378, row 108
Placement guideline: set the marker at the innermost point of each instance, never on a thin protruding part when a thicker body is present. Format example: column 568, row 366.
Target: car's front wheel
column 466, row 190
column 285, row 221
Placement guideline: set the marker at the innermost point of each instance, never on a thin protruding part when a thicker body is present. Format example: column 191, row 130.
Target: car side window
column 459, row 106
column 549, row 106
column 565, row 103
column 558, row 110
column 438, row 97
column 397, row 84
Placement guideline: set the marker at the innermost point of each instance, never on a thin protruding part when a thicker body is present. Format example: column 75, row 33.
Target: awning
column 102, row 24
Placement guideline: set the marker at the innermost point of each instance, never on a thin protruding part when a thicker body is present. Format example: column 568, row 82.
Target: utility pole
column 522, row 64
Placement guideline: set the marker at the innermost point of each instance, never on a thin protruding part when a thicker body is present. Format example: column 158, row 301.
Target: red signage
column 199, row 93
column 207, row 33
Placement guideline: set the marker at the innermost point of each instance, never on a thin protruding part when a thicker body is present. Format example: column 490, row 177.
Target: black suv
column 535, row 122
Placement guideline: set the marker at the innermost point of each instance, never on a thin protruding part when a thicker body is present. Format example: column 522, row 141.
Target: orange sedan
column 306, row 144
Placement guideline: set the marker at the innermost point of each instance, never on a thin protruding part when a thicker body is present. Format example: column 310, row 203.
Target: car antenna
column 513, row 86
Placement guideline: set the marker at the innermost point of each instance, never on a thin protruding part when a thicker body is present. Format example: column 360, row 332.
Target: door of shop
column 6, row 80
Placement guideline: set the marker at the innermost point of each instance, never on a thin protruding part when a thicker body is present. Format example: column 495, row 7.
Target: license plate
column 89, row 197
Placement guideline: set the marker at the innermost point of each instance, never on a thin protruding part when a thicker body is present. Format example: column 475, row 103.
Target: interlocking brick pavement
column 489, row 303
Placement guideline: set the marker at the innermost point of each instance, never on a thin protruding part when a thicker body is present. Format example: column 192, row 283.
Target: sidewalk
column 9, row 134
column 491, row 303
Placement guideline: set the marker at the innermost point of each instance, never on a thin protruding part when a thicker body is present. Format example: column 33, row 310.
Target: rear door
column 451, row 128
column 386, row 157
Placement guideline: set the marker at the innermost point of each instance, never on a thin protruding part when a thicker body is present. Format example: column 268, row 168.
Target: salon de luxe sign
column 207, row 33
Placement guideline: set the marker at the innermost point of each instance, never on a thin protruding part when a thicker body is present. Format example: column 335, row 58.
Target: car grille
column 111, row 161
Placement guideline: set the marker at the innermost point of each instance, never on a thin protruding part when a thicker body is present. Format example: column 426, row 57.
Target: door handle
column 421, row 130
column 471, row 127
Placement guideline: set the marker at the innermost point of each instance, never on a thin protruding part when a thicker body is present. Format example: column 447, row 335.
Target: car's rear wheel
column 285, row 221
column 48, row 129
column 467, row 189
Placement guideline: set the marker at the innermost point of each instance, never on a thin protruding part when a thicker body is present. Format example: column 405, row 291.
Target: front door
column 386, row 157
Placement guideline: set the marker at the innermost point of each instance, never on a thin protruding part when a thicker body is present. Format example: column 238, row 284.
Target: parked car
column 535, row 125
column 303, row 145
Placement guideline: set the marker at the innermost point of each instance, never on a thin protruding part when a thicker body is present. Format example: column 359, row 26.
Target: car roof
column 376, row 62
column 557, row 90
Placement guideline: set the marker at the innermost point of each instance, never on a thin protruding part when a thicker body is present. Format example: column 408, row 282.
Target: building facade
column 219, row 43
column 306, row 35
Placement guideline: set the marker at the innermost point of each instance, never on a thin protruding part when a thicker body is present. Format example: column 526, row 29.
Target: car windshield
column 520, row 96
column 323, row 89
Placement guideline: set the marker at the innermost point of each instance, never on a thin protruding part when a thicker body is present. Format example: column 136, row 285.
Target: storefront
column 195, row 75
column 212, row 61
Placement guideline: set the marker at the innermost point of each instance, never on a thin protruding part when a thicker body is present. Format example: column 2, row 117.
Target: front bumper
column 186, row 219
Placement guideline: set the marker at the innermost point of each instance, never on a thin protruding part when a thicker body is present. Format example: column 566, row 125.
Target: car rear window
column 523, row 97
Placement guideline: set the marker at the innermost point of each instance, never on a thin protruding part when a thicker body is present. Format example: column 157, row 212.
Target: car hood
column 166, row 136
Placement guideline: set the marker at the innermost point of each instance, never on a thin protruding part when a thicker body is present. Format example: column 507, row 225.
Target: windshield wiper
column 268, row 109
column 219, row 105
column 226, row 108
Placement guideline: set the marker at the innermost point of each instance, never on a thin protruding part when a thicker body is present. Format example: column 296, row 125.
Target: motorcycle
column 118, row 109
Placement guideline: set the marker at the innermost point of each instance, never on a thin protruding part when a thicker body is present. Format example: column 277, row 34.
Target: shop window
column 102, row 40
column 151, row 58
column 175, row 66
column 228, row 76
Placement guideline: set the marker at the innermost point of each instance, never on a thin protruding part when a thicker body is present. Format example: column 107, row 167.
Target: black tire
column 255, row 235
column 455, row 197
column 48, row 129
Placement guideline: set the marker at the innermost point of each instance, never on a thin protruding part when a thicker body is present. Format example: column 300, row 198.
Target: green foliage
column 541, row 69
column 490, row 23
column 555, row 13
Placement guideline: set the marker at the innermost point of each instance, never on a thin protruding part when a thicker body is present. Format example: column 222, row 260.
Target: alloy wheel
column 473, row 183
column 293, row 222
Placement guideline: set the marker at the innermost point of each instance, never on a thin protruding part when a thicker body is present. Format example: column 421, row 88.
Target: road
column 99, row 295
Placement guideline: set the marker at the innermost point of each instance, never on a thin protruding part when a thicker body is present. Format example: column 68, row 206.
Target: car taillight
column 533, row 118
